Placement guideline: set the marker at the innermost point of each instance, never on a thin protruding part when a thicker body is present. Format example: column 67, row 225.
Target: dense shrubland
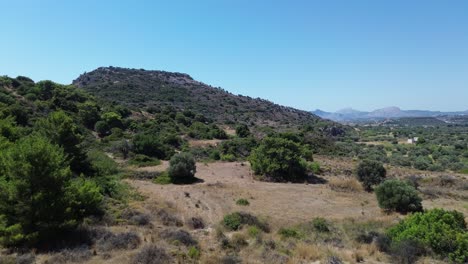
column 51, row 177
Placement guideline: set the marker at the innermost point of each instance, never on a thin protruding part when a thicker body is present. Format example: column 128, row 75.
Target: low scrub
column 320, row 224
column 290, row 233
column 237, row 220
column 151, row 254
column 80, row 254
column 163, row 179
column 195, row 223
column 168, row 219
column 128, row 240
column 136, row 218
column 345, row 184
column 242, row 202
column 443, row 232
column 179, row 236
column 398, row 196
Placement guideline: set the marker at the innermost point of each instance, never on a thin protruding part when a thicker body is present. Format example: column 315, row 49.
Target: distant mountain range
column 349, row 114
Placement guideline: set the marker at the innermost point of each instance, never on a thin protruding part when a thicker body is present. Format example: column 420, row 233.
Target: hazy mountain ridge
column 349, row 114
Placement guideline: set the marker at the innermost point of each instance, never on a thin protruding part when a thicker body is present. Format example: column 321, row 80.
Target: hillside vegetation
column 125, row 172
column 150, row 90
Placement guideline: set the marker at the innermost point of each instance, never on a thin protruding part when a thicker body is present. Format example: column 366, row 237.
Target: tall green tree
column 370, row 173
column 36, row 194
column 278, row 159
column 61, row 130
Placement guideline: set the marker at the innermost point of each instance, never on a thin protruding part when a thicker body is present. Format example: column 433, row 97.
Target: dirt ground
column 222, row 183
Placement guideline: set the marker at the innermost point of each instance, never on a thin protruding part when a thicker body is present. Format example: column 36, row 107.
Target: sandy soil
column 282, row 203
column 222, row 183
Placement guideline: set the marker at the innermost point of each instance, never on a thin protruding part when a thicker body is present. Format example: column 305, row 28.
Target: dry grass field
column 340, row 200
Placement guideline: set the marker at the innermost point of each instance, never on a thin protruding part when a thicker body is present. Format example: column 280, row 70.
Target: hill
column 349, row 114
column 144, row 89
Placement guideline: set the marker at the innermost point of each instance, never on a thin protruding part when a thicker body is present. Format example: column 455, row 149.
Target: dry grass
column 310, row 252
column 345, row 184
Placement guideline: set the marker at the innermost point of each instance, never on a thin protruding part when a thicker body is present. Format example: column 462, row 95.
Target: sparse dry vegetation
column 133, row 205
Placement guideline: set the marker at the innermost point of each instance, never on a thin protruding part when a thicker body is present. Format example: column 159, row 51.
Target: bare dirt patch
column 223, row 183
column 280, row 203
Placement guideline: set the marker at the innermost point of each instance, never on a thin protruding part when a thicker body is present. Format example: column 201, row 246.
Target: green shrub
column 228, row 157
column 215, row 155
column 233, row 221
column 444, row 232
column 315, row 167
column 243, row 202
column 278, row 159
column 254, row 231
column 289, row 233
column 240, row 148
column 152, row 146
column 242, row 131
column 320, row 224
column 193, row 252
column 163, row 179
column 182, row 167
column 399, row 196
column 370, row 173
column 35, row 180
column 422, row 163
column 198, row 130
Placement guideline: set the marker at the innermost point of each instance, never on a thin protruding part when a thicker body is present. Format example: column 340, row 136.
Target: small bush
column 163, row 179
column 444, row 232
column 238, row 241
column 151, row 254
column 236, row 220
column 129, row 240
column 179, row 236
column 242, row 131
column 370, row 173
column 254, row 231
column 233, row 221
column 193, row 253
column 407, row 251
column 136, row 218
column 228, row 157
column 278, row 159
column 289, row 233
column 243, row 202
column 182, row 167
column 195, row 223
column 315, row 167
column 168, row 219
column 399, row 196
column 320, row 224
column 80, row 254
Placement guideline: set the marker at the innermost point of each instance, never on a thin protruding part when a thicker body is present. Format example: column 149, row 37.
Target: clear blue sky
column 306, row 54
